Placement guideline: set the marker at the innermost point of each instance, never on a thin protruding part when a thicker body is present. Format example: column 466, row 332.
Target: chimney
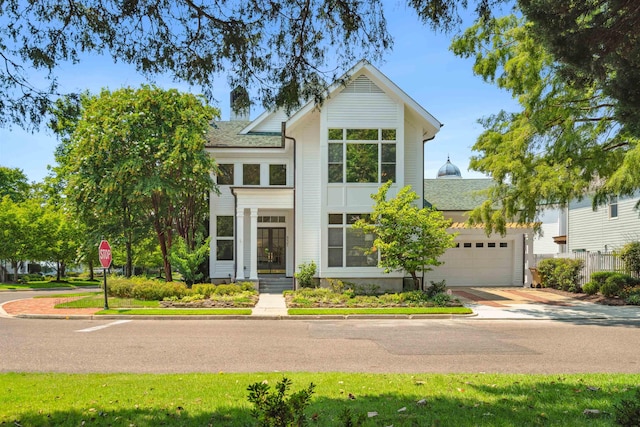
column 239, row 104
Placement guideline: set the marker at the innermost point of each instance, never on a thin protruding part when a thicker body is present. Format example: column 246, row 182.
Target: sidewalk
column 486, row 303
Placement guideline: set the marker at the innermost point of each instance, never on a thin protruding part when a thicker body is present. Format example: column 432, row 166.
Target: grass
column 177, row 311
column 96, row 300
column 33, row 399
column 390, row 310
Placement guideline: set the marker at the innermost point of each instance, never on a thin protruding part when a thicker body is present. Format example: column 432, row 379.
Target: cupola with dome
column 449, row 171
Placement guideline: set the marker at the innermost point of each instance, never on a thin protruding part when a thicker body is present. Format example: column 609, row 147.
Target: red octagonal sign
column 104, row 253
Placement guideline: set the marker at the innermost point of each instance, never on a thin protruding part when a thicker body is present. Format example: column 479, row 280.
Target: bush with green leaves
column 600, row 277
column 630, row 254
column 273, row 408
column 157, row 290
column 436, row 288
column 305, row 274
column 616, row 284
column 561, row 273
column 627, row 411
column 591, row 288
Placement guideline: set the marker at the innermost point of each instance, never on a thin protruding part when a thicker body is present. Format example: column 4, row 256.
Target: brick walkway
column 45, row 306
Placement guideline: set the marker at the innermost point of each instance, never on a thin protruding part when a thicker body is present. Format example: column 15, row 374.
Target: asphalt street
column 159, row 346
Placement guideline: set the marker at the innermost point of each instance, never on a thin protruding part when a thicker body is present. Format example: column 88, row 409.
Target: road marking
column 97, row 328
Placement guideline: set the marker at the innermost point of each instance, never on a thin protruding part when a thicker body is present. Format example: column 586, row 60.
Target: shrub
column 633, row 299
column 436, row 288
column 205, row 289
column 627, row 412
column 275, row 408
column 591, row 288
column 227, row 289
column 561, row 273
column 441, row 300
column 599, row 277
column 630, row 254
column 614, row 284
column 306, row 274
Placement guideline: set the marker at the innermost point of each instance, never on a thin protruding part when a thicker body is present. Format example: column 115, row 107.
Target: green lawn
column 96, row 300
column 177, row 311
column 396, row 399
column 390, row 310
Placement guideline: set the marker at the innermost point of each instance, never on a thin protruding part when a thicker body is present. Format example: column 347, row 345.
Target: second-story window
column 361, row 155
column 251, row 174
column 613, row 207
column 277, row 174
column 225, row 174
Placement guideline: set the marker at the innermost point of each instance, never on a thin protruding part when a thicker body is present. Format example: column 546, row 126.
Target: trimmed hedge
column 561, row 273
column 156, row 290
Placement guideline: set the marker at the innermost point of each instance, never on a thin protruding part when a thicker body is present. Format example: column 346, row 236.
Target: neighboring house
column 292, row 185
column 552, row 239
column 604, row 230
column 477, row 259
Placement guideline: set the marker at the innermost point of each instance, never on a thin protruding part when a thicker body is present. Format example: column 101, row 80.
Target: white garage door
column 474, row 263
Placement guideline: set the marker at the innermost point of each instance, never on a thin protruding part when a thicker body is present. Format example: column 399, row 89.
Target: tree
column 138, row 156
column 596, row 41
column 13, row 183
column 564, row 143
column 187, row 261
column 409, row 238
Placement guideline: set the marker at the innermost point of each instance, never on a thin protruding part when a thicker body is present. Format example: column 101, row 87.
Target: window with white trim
column 613, row 206
column 224, row 238
column 361, row 155
column 346, row 246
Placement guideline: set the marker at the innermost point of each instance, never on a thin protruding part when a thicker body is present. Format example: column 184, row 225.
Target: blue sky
column 420, row 63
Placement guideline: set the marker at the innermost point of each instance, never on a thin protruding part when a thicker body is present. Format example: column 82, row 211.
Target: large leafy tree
column 138, row 155
column 14, row 183
column 408, row 237
column 563, row 144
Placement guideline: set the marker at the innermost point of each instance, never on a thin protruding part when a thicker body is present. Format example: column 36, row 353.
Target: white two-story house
column 291, row 186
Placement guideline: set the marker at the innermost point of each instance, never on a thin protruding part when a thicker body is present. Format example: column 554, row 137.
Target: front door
column 271, row 250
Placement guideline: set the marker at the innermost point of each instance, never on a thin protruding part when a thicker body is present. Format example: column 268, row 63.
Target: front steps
column 274, row 285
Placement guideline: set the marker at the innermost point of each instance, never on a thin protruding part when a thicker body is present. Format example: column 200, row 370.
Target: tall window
column 346, row 245
column 277, row 174
column 251, row 174
column 225, row 174
column 613, row 207
column 224, row 238
column 362, row 155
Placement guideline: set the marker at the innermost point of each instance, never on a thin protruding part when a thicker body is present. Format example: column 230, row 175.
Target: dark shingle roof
column 227, row 134
column 455, row 194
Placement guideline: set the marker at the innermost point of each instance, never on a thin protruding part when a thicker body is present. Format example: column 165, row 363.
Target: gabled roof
column 228, row 135
column 455, row 194
column 364, row 67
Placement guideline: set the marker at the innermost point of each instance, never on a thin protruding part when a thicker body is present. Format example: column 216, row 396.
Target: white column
column 240, row 244
column 529, row 258
column 254, row 244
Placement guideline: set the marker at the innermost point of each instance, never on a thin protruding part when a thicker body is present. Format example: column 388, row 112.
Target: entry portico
column 260, row 203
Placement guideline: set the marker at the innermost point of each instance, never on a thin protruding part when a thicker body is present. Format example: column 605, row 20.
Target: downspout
column 235, row 233
column 293, row 243
column 423, row 151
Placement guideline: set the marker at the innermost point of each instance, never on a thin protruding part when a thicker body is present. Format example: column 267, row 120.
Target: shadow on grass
column 459, row 403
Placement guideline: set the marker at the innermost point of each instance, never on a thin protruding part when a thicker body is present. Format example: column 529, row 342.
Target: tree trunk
column 57, row 271
column 416, row 282
column 91, row 277
column 14, row 265
column 128, row 270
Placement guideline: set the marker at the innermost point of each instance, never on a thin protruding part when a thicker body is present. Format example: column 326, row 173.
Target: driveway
column 530, row 304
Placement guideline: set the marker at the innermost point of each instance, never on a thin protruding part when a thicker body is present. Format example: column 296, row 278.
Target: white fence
column 593, row 261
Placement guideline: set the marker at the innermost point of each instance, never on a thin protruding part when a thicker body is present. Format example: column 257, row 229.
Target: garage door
column 477, row 263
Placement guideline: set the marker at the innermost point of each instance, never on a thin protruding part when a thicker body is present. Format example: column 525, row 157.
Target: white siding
column 272, row 123
column 220, row 205
column 308, row 194
column 413, row 159
column 362, row 110
column 594, row 231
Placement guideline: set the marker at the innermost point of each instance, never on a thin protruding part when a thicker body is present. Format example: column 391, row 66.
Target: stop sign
column 104, row 254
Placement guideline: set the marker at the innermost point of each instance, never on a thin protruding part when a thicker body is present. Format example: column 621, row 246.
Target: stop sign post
column 104, row 255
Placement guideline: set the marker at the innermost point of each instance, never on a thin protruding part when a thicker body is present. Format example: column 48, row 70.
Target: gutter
column 293, row 243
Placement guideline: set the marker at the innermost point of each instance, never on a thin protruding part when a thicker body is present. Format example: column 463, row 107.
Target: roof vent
column 362, row 85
